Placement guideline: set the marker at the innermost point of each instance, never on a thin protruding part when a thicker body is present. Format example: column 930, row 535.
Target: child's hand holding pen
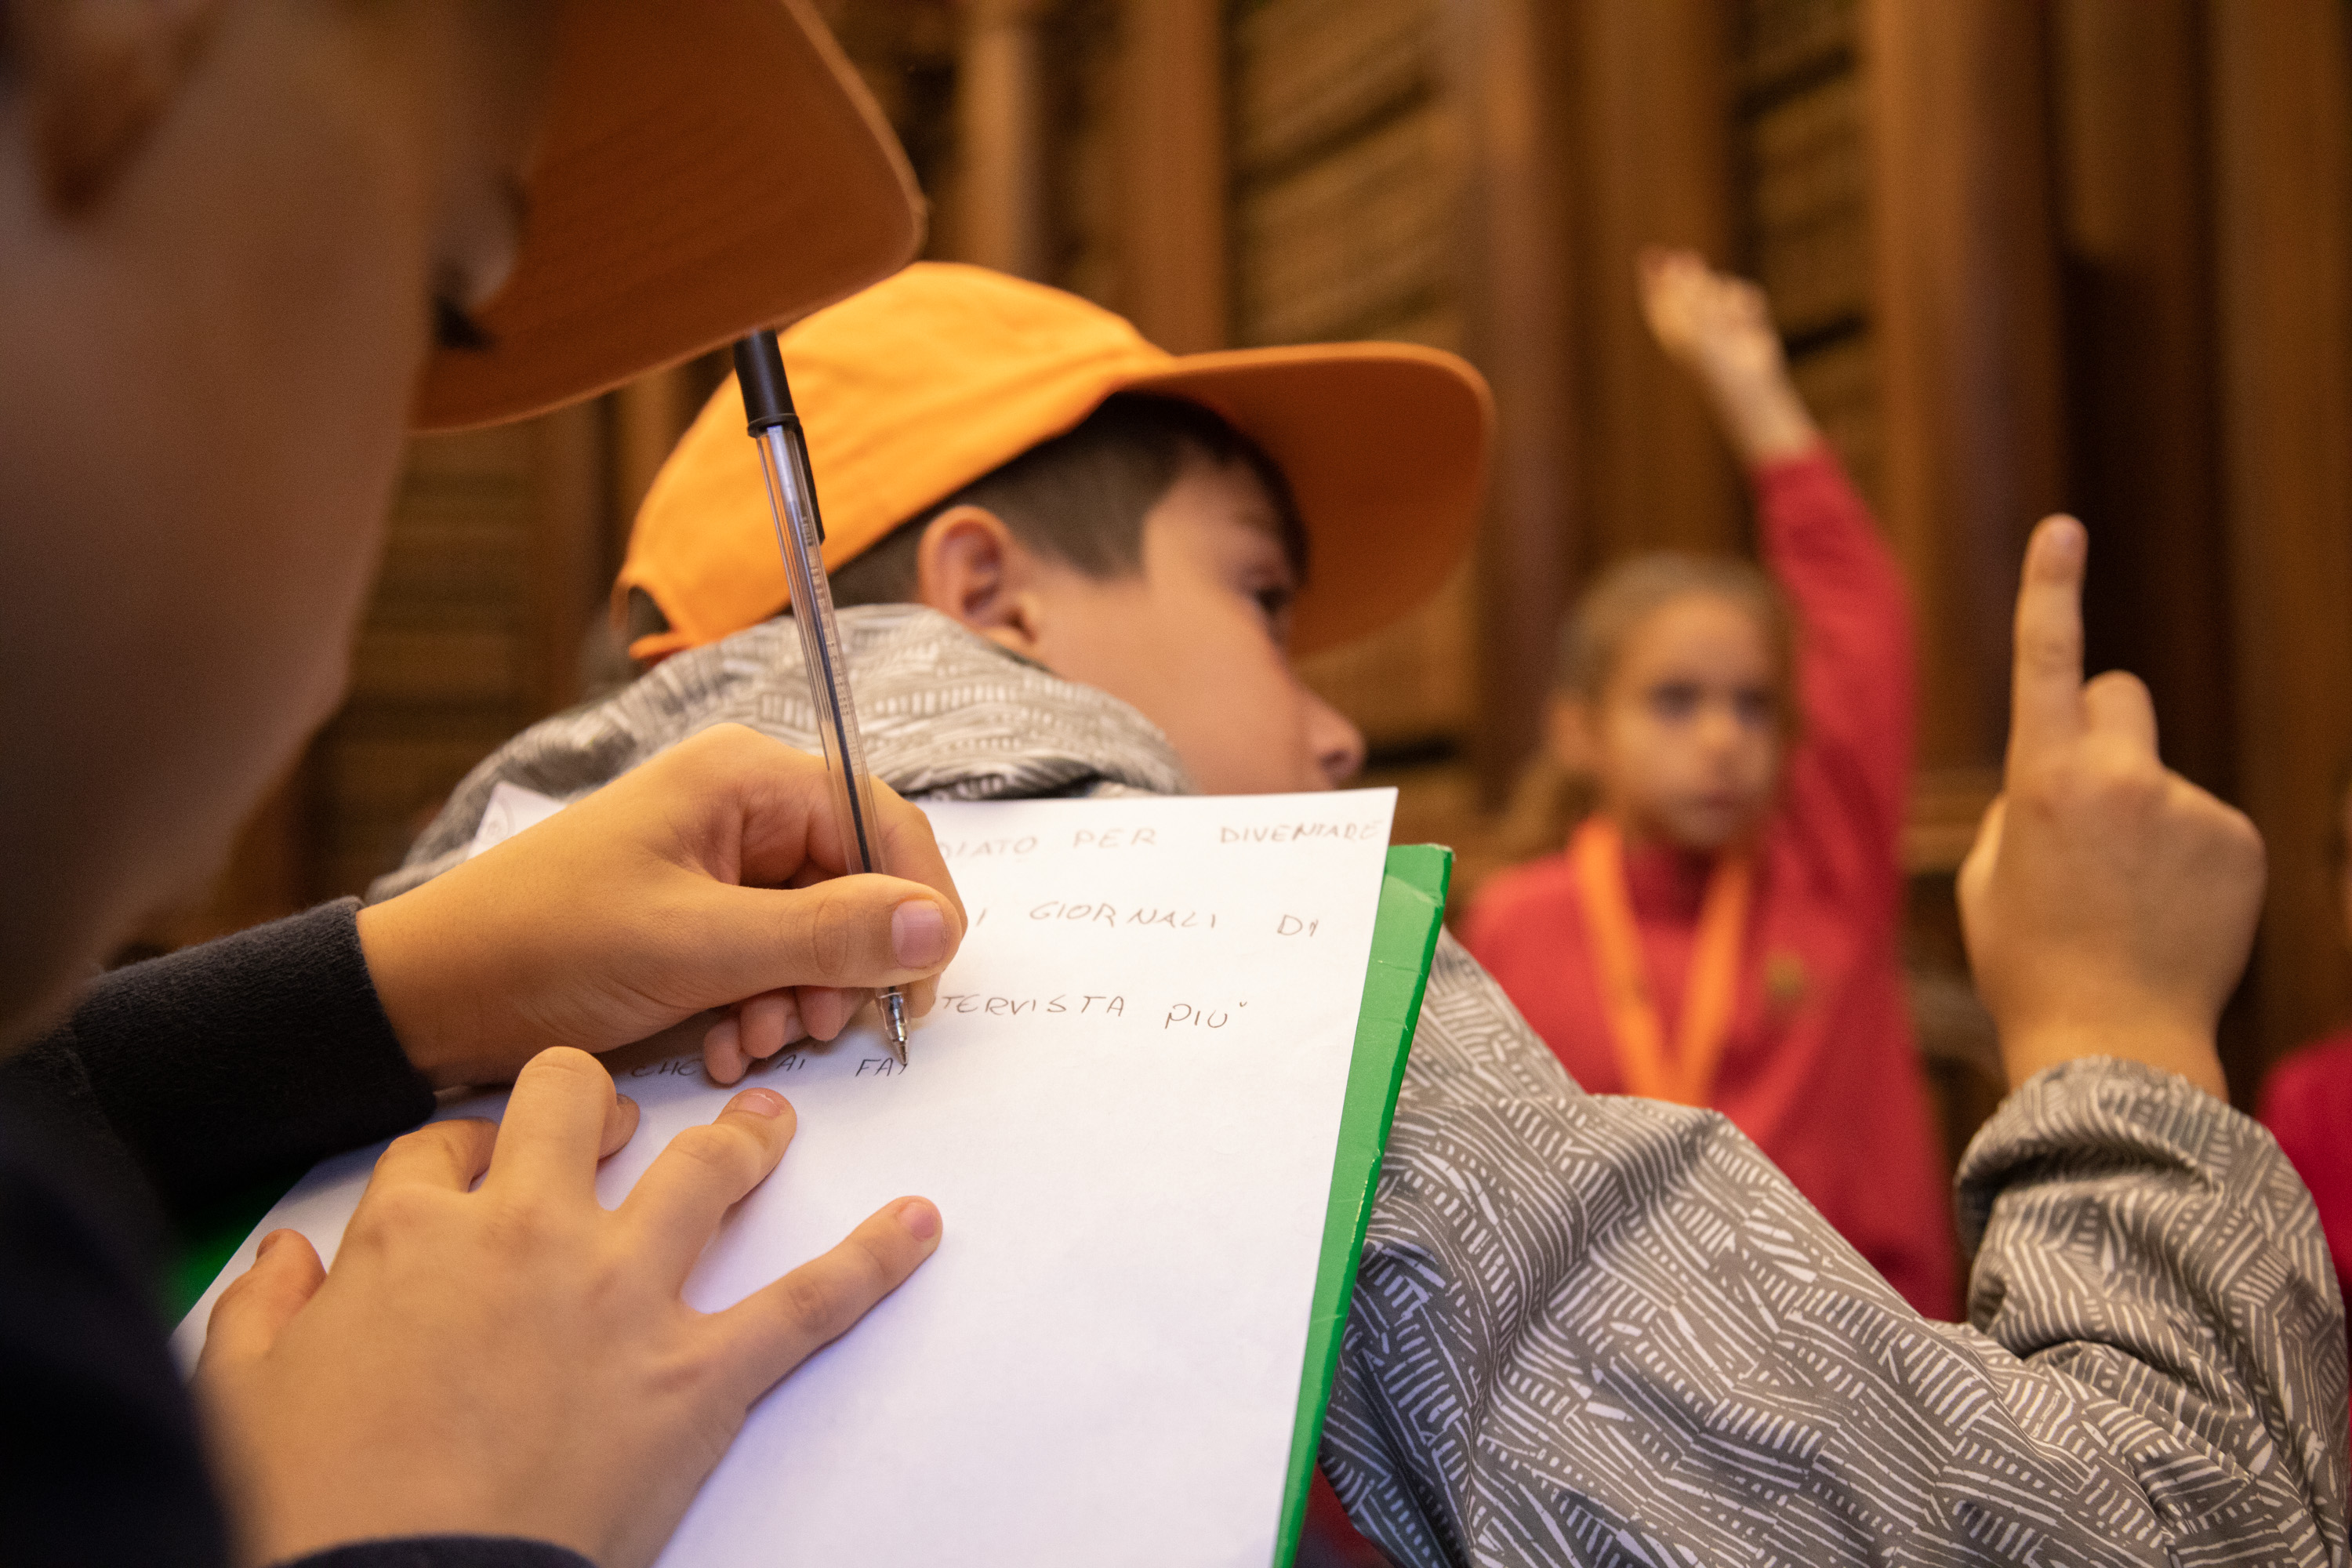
column 711, row 877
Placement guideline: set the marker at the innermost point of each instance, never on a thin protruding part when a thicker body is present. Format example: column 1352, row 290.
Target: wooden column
column 2135, row 234
column 999, row 123
column 566, row 582
column 1965, row 310
column 649, row 414
column 1504, row 59
column 1172, row 261
column 2282, row 110
column 1651, row 140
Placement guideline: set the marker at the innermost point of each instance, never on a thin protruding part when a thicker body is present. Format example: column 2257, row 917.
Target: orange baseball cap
column 707, row 166
column 935, row 376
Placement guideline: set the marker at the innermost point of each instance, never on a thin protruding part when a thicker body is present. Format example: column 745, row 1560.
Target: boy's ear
column 1567, row 732
column 95, row 76
column 970, row 567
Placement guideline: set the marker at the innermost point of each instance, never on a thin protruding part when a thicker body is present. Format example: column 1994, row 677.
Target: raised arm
column 1849, row 779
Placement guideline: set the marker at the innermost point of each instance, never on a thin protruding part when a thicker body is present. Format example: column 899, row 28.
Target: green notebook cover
column 1413, row 905
column 1412, row 909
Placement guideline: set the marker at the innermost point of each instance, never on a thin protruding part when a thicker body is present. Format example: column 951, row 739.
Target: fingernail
column 272, row 1239
column 921, row 1220
column 919, row 934
column 758, row 1103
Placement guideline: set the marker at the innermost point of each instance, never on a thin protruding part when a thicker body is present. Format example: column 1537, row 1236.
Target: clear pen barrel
column 792, row 497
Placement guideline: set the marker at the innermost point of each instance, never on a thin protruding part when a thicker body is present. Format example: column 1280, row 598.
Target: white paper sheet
column 509, row 810
column 1125, row 1106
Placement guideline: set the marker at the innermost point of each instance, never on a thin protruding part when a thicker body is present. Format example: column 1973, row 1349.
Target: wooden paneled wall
column 2134, row 218
column 1172, row 212
column 1347, row 170
column 494, row 568
column 2027, row 254
column 2281, row 114
column 1802, row 177
column 1520, row 327
column 1966, row 310
column 1647, row 154
column 496, row 564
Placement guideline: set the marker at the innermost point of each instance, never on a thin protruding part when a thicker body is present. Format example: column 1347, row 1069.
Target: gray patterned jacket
column 1597, row 1329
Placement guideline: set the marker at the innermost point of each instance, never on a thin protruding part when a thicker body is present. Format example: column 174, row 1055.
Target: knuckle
column 2101, row 775
column 735, row 745
column 429, row 1139
column 817, row 1304
column 725, row 1153
column 878, row 1269
column 568, row 1062
column 2249, row 837
column 2042, row 788
column 2042, row 641
column 872, row 1267
column 687, row 1372
column 403, row 1208
column 2237, row 837
column 710, row 757
column 2124, row 776
column 458, row 1141
column 242, row 1289
column 833, row 934
column 518, row 1227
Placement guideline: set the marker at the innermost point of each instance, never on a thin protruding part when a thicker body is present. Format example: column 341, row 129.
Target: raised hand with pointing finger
column 2109, row 904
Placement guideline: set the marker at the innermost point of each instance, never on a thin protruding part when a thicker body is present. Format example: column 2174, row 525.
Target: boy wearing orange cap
column 1585, row 1328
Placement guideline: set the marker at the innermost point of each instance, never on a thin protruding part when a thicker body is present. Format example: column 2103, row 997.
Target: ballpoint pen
column 799, row 533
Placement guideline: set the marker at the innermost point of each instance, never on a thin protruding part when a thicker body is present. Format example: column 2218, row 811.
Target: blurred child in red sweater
column 2306, row 1100
column 1722, row 930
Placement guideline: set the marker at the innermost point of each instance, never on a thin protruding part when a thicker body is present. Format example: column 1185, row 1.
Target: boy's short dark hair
column 1081, row 497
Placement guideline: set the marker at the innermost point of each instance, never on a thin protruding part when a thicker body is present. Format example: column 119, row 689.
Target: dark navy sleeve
column 101, row 1464
column 99, row 1461
column 226, row 1064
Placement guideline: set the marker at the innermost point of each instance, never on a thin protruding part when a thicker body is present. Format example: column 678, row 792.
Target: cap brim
column 707, row 166
column 1385, row 448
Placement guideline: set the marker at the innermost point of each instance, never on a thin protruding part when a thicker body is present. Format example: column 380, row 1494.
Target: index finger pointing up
column 2046, row 681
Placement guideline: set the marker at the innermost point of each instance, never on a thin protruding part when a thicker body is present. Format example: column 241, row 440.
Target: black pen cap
column 760, row 370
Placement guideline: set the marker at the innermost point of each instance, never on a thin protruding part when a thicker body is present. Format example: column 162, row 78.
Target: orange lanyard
column 1598, row 855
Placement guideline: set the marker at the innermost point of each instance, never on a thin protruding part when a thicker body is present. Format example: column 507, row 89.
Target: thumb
column 263, row 1299
column 848, row 932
